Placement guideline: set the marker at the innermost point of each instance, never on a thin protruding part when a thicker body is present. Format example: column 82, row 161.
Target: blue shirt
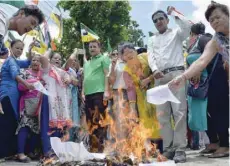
column 9, row 86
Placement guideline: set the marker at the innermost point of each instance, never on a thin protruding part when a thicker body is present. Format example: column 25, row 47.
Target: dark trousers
column 195, row 139
column 218, row 107
column 8, row 125
column 94, row 109
column 44, row 125
column 23, row 137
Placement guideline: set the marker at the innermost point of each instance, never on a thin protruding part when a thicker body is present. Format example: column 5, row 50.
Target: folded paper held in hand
column 161, row 94
column 39, row 87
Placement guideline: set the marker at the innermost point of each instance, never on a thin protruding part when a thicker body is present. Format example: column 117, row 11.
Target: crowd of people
column 115, row 85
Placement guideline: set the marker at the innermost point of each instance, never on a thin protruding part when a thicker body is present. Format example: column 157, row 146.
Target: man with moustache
column 165, row 57
column 96, row 91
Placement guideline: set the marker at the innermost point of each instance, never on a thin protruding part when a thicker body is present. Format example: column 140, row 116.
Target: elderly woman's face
column 129, row 54
column 35, row 63
column 113, row 55
column 219, row 21
column 56, row 60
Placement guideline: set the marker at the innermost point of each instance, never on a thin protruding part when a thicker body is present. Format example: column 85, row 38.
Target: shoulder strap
column 195, row 44
column 214, row 66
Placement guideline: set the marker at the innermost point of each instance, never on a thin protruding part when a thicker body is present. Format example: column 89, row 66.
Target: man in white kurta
column 165, row 56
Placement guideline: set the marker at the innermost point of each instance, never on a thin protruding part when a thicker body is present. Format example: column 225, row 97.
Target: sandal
column 219, row 155
column 207, row 151
column 34, row 156
column 24, row 160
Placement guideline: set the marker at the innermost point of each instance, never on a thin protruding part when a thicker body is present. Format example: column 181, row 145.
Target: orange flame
column 129, row 137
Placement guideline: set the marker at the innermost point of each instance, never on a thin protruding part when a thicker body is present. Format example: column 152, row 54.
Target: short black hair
column 15, row 41
column 127, row 45
column 213, row 6
column 32, row 10
column 159, row 11
column 198, row 28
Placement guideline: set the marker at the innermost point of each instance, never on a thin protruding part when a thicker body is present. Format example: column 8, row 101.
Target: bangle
column 184, row 77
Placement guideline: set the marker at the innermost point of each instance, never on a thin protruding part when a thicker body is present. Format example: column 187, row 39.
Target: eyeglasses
column 160, row 19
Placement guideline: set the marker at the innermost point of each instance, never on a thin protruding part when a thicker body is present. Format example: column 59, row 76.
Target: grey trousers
column 174, row 139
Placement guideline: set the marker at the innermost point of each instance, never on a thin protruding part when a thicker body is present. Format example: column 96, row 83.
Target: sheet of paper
column 39, row 87
column 160, row 95
column 165, row 163
column 71, row 151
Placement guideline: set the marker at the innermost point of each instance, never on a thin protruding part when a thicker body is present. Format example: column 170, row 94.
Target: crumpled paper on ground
column 71, row 151
column 165, row 163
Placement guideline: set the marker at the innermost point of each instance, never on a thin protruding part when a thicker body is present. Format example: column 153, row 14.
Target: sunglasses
column 113, row 54
column 160, row 19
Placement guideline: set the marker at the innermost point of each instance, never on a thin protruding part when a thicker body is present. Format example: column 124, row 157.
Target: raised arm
column 44, row 59
column 71, row 59
column 184, row 25
column 112, row 72
column 30, row 56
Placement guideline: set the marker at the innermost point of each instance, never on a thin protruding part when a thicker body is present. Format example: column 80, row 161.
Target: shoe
column 169, row 155
column 207, row 151
column 180, row 157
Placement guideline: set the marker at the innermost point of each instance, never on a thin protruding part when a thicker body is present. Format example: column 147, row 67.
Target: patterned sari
column 59, row 100
column 146, row 111
column 30, row 103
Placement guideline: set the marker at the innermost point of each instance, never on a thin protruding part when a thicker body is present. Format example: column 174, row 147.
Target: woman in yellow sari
column 138, row 78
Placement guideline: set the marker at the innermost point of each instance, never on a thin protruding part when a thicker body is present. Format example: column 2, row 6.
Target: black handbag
column 201, row 91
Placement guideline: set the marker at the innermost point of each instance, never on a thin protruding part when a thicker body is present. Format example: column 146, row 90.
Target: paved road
column 193, row 159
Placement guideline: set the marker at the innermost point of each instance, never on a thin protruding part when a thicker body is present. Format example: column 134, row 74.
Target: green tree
column 135, row 35
column 108, row 19
column 151, row 34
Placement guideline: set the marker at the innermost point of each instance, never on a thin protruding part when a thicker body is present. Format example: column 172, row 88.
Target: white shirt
column 119, row 68
column 166, row 50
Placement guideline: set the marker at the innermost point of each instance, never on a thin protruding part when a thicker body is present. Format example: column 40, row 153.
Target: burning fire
column 128, row 137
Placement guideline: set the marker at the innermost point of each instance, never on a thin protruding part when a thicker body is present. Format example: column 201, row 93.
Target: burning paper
column 160, row 95
column 71, row 151
column 39, row 87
